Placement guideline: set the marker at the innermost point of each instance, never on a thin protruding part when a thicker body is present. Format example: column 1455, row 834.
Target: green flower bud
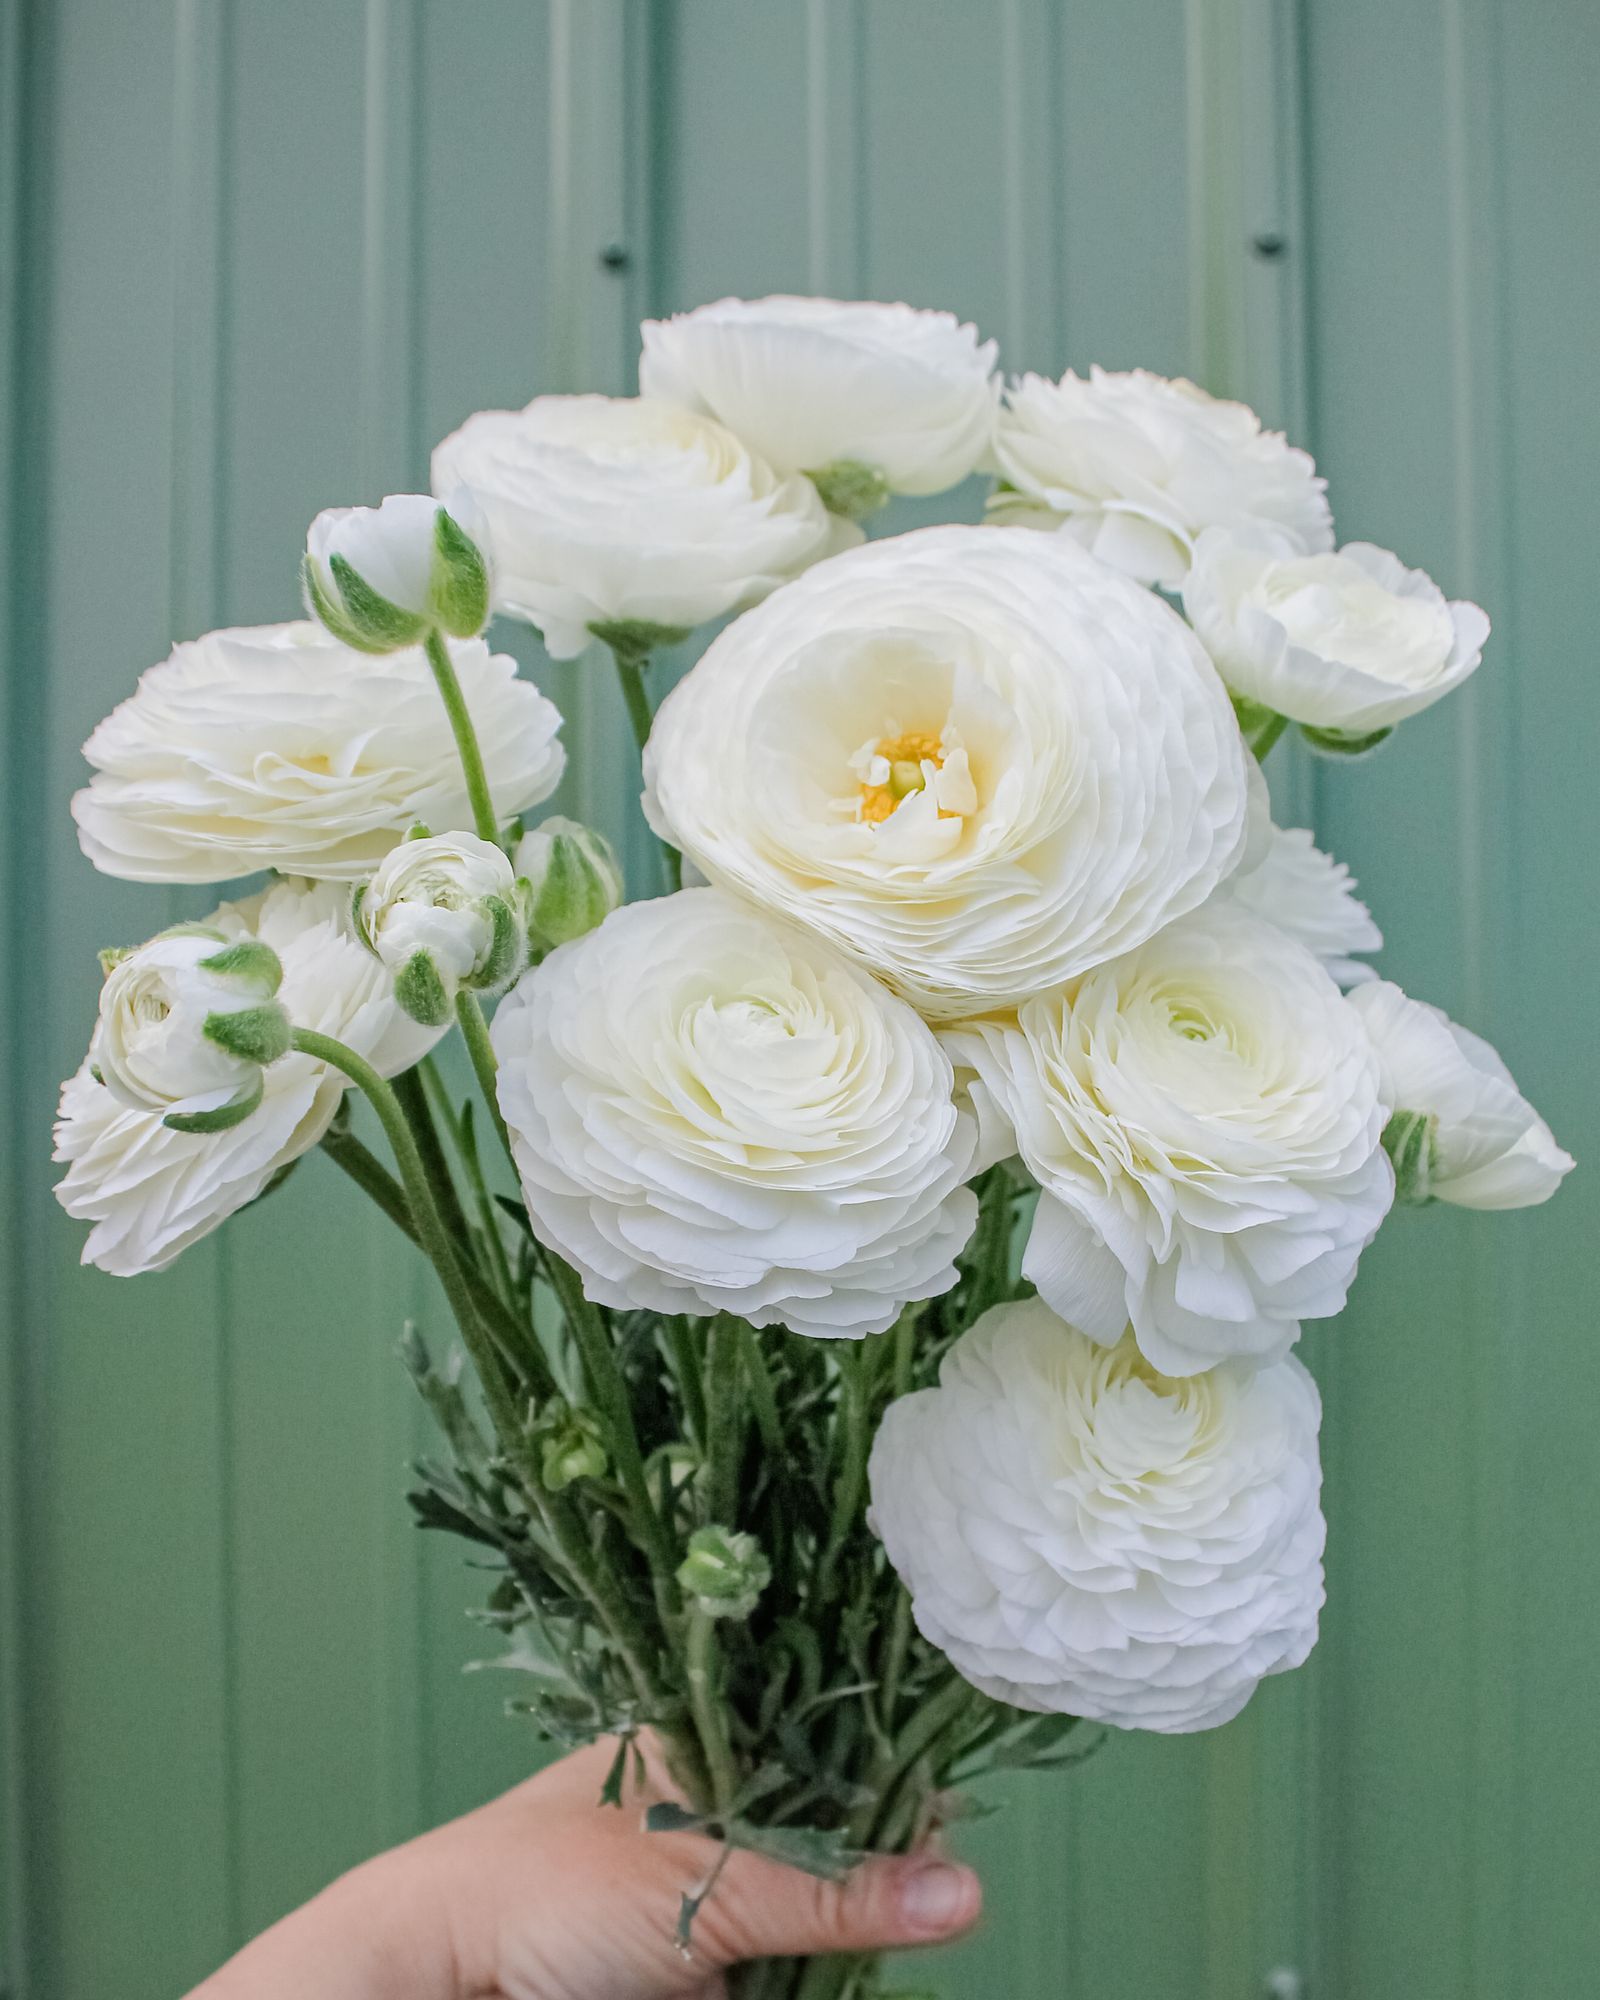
column 850, row 489
column 724, row 1573
column 571, row 880
column 1411, row 1139
column 571, row 1446
column 381, row 578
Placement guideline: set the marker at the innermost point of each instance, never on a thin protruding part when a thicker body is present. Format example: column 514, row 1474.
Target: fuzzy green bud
column 571, row 1446
column 724, row 1572
column 383, row 578
column 850, row 488
column 570, row 880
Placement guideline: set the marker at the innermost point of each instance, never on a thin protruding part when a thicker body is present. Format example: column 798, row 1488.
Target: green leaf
column 253, row 1034
column 1343, row 742
column 379, row 626
column 220, row 1119
column 248, row 959
column 851, row 489
column 458, row 592
column 420, row 992
column 635, row 639
column 611, row 1790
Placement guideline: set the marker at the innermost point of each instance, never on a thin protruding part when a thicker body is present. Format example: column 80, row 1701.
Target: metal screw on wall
column 615, row 257
column 1283, row 1983
column 1269, row 247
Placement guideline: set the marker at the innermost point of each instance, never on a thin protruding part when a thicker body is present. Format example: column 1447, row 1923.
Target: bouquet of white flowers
column 779, row 1448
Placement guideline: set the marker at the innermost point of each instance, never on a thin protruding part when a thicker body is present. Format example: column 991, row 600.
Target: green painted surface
column 273, row 249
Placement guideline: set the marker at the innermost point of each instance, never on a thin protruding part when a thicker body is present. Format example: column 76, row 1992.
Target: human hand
column 545, row 1894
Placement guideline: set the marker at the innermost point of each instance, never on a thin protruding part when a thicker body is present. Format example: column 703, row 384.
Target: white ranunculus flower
column 975, row 759
column 617, row 510
column 273, row 746
column 1460, row 1130
column 441, row 913
column 814, row 384
column 1305, row 892
column 1137, row 467
column 712, row 1112
column 1353, row 642
column 149, row 1191
column 380, row 577
column 1083, row 1535
column 163, row 1040
column 1203, row 1117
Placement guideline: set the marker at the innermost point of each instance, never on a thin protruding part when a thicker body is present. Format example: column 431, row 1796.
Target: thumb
column 764, row 1910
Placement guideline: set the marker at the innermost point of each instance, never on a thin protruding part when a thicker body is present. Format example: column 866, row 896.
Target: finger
column 762, row 1910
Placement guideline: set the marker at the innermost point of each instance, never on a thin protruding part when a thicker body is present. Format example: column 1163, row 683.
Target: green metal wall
column 270, row 251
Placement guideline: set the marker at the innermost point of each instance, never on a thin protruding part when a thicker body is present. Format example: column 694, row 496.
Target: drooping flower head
column 1083, row 1534
column 713, row 1112
column 975, row 759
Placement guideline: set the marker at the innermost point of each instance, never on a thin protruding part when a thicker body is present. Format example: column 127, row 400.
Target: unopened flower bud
column 571, row 880
column 851, row 489
column 441, row 912
column 187, row 1023
column 570, row 1446
column 381, row 578
column 724, row 1572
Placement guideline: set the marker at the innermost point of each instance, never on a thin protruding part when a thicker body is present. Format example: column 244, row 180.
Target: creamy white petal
column 1353, row 642
column 711, row 1111
column 1203, row 1112
column 613, row 509
column 1098, row 780
column 809, row 383
column 1084, row 1535
column 1305, row 892
column 1137, row 467
column 1492, row 1149
column 273, row 746
column 149, row 1191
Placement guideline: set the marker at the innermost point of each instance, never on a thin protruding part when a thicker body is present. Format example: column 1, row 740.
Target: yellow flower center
column 904, row 756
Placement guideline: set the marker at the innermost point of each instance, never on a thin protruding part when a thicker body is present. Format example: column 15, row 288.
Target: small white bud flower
column 380, row 578
column 724, row 1573
column 571, row 880
column 187, row 1023
column 441, row 914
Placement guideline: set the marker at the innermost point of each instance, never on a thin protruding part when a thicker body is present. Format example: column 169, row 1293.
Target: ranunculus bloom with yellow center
column 976, row 760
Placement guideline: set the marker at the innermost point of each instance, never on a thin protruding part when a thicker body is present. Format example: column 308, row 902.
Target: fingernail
column 937, row 1897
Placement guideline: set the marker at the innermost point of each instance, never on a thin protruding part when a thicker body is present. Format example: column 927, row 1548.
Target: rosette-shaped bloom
column 1349, row 643
column 1459, row 1130
column 1137, row 466
column 1305, row 892
column 187, row 1024
column 854, row 394
column 617, row 511
column 273, row 746
column 150, row 1191
column 1203, row 1117
column 976, row 760
column 713, row 1112
column 441, row 913
column 1081, row 1534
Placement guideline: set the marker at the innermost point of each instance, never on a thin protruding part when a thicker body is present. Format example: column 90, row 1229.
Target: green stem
column 1267, row 735
column 702, row 1655
column 630, row 677
column 408, row 1087
column 724, row 1428
column 432, row 1235
column 485, row 1065
column 688, row 1356
column 610, row 1393
column 375, row 1181
column 851, row 1481
column 455, row 707
column 763, row 1399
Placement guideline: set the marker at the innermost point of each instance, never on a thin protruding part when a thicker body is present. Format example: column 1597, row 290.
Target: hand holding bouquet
column 880, row 1255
